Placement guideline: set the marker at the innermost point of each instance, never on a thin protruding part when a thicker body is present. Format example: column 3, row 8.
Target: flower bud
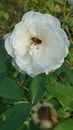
column 44, row 115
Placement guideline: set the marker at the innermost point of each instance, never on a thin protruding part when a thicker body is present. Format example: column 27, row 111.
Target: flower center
column 44, row 113
column 36, row 41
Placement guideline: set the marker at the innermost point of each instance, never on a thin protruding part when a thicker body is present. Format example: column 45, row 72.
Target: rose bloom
column 44, row 115
column 37, row 44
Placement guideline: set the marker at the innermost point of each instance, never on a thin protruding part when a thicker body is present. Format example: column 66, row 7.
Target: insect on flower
column 36, row 41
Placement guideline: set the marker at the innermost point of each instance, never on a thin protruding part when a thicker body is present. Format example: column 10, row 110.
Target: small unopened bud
column 44, row 115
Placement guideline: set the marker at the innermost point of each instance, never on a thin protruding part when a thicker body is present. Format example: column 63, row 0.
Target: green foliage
column 16, row 89
column 2, row 69
column 62, row 92
column 3, row 53
column 9, row 89
column 32, row 126
column 4, row 14
column 65, row 125
column 60, row 85
column 14, row 117
column 37, row 88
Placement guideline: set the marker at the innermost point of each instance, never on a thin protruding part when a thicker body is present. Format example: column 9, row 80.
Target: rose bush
column 37, row 44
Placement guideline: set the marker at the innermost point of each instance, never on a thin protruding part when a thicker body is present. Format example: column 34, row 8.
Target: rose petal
column 8, row 45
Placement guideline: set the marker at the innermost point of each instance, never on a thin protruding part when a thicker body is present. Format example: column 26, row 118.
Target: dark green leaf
column 71, row 46
column 2, row 51
column 10, row 89
column 37, row 88
column 69, row 74
column 14, row 117
column 66, row 74
column 3, row 69
column 32, row 126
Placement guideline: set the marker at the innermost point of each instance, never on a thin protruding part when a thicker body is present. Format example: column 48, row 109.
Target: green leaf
column 61, row 91
column 66, row 74
column 10, row 89
column 65, row 125
column 22, row 127
column 37, row 88
column 4, row 14
column 71, row 46
column 63, row 113
column 3, row 69
column 69, row 74
column 2, row 52
column 14, row 117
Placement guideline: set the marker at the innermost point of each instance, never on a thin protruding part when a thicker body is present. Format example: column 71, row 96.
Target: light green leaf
column 10, row 89
column 65, row 125
column 37, row 88
column 14, row 117
column 63, row 93
column 63, row 113
column 4, row 14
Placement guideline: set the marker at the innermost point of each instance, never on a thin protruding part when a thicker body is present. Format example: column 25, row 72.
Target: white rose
column 37, row 44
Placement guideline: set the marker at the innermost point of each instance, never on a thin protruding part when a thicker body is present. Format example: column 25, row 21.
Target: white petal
column 27, row 15
column 34, row 28
column 8, row 45
column 15, row 65
column 63, row 37
column 47, row 70
column 52, row 20
column 35, row 71
column 19, row 26
column 23, row 61
column 6, row 35
column 21, row 42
